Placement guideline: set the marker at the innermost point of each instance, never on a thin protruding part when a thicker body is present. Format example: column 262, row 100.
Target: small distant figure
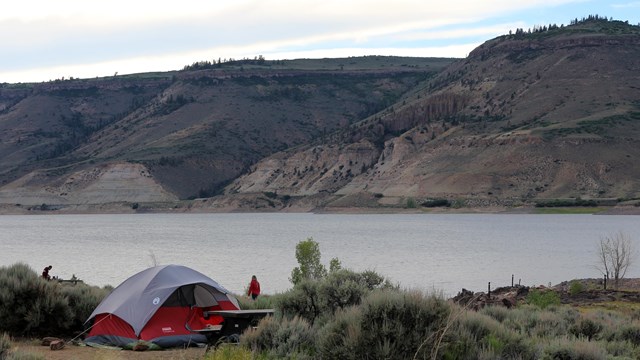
column 45, row 273
column 254, row 288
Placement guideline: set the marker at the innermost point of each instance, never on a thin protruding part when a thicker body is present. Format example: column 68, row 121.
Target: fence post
column 605, row 281
column 511, row 280
column 489, row 290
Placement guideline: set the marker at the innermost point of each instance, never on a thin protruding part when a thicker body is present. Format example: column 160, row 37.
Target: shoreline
column 191, row 207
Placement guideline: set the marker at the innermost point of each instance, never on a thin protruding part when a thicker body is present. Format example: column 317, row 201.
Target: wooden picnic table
column 234, row 323
column 71, row 281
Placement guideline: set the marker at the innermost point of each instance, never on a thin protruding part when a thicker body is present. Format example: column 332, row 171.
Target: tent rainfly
column 162, row 305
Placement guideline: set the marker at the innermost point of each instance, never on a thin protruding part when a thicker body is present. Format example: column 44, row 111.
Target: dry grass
column 74, row 352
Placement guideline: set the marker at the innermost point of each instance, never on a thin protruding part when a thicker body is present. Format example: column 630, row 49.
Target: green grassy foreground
column 342, row 314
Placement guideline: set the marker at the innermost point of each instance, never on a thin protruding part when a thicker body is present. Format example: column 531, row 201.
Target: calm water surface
column 423, row 251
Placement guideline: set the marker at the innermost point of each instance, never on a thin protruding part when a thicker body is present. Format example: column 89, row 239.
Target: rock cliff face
column 524, row 118
column 193, row 131
column 108, row 183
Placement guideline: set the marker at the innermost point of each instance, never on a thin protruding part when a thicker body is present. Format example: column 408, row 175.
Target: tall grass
column 5, row 345
column 6, row 353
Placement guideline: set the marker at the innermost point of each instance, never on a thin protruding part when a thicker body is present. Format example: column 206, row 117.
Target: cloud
column 452, row 51
column 633, row 4
column 486, row 31
column 77, row 34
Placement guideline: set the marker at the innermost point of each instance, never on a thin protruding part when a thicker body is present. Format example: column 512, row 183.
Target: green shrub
column 501, row 340
column 568, row 315
column 630, row 332
column 622, row 349
column 494, row 343
column 374, row 281
column 388, row 324
column 548, row 324
column 499, row 313
column 566, row 349
column 261, row 302
column 341, row 290
column 479, row 324
column 587, row 328
column 459, row 343
column 516, row 347
column 490, row 338
column 495, row 340
column 308, row 257
column 311, row 299
column 521, row 319
column 281, row 338
column 339, row 338
column 82, row 300
column 302, row 300
column 345, row 288
column 575, row 288
column 32, row 306
column 543, row 299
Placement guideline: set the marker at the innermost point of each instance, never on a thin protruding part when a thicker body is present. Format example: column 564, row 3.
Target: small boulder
column 56, row 345
column 46, row 341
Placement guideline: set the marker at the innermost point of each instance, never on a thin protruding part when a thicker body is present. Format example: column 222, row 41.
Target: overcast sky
column 45, row 40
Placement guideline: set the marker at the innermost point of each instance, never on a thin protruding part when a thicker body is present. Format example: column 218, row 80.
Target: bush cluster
column 32, row 306
column 386, row 325
column 543, row 299
column 350, row 315
column 379, row 322
column 311, row 299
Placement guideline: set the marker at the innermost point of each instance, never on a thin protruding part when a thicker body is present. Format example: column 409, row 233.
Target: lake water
column 446, row 252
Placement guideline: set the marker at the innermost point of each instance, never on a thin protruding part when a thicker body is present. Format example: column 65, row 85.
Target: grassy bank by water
column 569, row 210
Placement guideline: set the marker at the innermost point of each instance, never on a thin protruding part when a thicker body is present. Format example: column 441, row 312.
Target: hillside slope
column 190, row 132
column 526, row 118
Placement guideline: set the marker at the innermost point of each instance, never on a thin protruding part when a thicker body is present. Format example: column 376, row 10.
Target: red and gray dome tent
column 161, row 305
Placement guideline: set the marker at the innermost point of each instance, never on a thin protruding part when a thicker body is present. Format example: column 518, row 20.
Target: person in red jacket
column 254, row 288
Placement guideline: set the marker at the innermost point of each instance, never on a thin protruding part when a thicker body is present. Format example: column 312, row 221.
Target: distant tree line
column 589, row 18
column 77, row 133
column 204, row 65
column 520, row 33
